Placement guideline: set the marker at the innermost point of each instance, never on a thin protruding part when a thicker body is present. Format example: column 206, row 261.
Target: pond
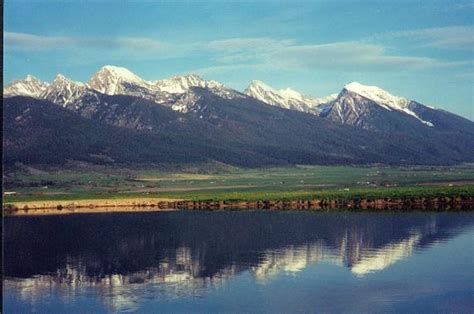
column 240, row 261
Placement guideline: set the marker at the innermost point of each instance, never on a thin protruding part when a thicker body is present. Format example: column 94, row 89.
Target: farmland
column 229, row 183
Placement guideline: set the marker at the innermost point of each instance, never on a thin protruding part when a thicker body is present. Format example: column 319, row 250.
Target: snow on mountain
column 182, row 84
column 381, row 97
column 384, row 99
column 351, row 106
column 113, row 80
column 289, row 93
column 287, row 98
column 327, row 99
column 63, row 91
column 30, row 86
column 186, row 102
column 266, row 94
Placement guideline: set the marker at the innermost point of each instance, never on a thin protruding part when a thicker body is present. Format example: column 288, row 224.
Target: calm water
column 240, row 261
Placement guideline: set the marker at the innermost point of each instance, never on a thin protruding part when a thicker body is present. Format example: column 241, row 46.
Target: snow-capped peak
column 262, row 85
column 61, row 79
column 191, row 78
column 63, row 90
column 286, row 98
column 121, row 73
column 31, row 78
column 384, row 99
column 29, row 86
column 181, row 84
column 267, row 94
column 378, row 95
column 290, row 93
column 113, row 80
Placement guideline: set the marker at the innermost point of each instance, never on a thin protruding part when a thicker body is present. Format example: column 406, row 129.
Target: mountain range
column 118, row 117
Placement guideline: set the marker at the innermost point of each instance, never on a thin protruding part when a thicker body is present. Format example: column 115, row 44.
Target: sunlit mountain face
column 124, row 258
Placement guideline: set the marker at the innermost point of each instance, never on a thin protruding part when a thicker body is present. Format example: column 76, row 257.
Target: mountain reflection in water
column 125, row 258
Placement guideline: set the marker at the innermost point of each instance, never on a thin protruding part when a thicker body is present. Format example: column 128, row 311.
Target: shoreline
column 31, row 208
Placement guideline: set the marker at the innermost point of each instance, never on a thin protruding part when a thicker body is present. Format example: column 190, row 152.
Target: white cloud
column 29, row 41
column 271, row 54
column 244, row 44
column 260, row 53
column 23, row 41
column 346, row 56
column 226, row 68
column 141, row 43
column 449, row 37
column 238, row 50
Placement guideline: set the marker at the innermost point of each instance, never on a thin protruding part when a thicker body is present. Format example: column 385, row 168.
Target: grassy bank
column 297, row 183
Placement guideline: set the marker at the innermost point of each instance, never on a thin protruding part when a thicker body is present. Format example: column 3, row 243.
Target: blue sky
column 423, row 50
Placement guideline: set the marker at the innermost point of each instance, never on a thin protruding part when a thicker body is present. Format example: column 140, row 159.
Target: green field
column 210, row 183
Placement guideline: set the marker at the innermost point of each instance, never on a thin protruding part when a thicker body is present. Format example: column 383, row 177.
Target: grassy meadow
column 228, row 183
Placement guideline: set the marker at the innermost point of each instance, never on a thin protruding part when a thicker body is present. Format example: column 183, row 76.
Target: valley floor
column 205, row 186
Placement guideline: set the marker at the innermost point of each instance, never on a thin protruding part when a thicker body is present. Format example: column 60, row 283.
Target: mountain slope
column 442, row 120
column 289, row 128
column 245, row 133
column 39, row 132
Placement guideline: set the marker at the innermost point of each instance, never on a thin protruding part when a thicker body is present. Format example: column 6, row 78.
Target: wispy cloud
column 141, row 43
column 226, row 68
column 450, row 37
column 23, row 41
column 269, row 54
column 238, row 50
column 263, row 53
column 29, row 41
column 346, row 56
column 244, row 44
